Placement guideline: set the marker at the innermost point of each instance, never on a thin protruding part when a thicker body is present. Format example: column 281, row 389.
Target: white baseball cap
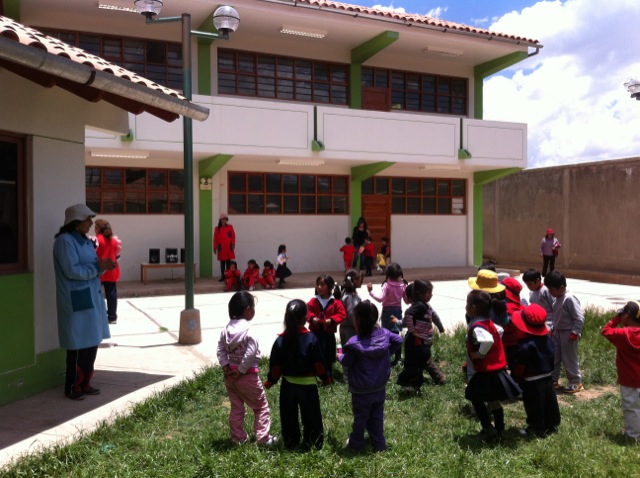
column 78, row 212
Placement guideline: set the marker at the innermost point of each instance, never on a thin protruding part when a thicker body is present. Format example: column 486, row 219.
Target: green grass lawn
column 183, row 432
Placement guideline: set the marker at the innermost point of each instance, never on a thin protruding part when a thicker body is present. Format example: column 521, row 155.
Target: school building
column 319, row 112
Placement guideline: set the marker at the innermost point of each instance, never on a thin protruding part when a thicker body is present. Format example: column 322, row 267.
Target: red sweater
column 627, row 343
column 369, row 250
column 329, row 317
column 109, row 249
column 348, row 251
column 251, row 276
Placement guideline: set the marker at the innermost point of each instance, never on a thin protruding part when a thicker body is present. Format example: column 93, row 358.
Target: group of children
column 514, row 348
column 366, row 256
column 235, row 280
column 307, row 350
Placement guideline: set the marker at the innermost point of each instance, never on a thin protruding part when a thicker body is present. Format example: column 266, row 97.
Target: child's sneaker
column 273, row 439
column 571, row 389
column 489, row 433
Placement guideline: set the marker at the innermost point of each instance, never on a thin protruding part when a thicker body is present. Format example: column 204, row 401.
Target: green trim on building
column 359, row 174
column 12, row 9
column 208, row 168
column 359, row 55
column 481, row 178
column 17, row 341
column 204, row 57
column 483, row 70
column 47, row 372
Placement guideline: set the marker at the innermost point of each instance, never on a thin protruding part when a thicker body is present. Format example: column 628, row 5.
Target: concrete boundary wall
column 594, row 209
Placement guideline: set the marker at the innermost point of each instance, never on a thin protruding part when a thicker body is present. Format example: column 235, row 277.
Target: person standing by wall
column 109, row 247
column 360, row 232
column 549, row 248
column 81, row 312
column 224, row 243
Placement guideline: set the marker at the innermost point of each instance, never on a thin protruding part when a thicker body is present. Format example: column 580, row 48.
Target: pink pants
column 248, row 389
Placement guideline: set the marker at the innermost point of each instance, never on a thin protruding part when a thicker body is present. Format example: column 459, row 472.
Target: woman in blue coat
column 82, row 316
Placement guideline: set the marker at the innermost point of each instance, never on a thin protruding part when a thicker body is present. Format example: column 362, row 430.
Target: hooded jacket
column 238, row 348
column 368, row 360
column 391, row 294
column 627, row 343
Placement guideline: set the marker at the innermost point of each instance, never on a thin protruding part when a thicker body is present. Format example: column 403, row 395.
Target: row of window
column 13, row 201
column 135, row 190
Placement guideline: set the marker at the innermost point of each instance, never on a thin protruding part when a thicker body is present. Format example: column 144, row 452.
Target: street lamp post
column 225, row 20
column 633, row 87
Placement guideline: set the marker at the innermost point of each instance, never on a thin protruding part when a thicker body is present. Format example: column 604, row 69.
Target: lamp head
column 226, row 20
column 148, row 8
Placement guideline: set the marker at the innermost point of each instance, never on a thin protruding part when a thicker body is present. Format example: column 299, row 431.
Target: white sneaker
column 273, row 439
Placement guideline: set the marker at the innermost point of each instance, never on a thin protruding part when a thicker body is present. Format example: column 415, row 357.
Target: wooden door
column 377, row 211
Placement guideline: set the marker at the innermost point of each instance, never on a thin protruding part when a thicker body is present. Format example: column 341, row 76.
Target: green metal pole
column 188, row 165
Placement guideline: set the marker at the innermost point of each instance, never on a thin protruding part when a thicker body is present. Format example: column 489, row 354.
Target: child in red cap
column 532, row 366
column 549, row 248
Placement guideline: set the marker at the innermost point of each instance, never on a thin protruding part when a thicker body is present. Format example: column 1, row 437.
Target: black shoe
column 113, row 322
column 92, row 391
column 75, row 396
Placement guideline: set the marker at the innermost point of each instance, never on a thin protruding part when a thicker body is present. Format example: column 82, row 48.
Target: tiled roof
column 24, row 35
column 411, row 18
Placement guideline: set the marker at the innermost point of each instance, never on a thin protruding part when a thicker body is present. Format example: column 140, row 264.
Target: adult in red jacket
column 224, row 243
column 109, row 247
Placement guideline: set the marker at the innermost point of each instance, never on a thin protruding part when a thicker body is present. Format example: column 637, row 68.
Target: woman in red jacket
column 224, row 243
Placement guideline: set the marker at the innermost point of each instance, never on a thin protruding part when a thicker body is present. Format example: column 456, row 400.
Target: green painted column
column 359, row 174
column 12, row 9
column 208, row 168
column 204, row 57
column 479, row 180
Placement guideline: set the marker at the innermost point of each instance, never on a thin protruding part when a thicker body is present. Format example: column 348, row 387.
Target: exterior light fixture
column 226, row 20
column 300, row 162
column 633, row 87
column 441, row 51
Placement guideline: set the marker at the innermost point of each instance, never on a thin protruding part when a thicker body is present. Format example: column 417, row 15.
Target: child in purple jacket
column 367, row 355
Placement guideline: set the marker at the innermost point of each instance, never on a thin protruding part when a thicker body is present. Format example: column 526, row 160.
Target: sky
column 571, row 94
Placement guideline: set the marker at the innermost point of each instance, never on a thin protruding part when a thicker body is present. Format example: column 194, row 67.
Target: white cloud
column 436, row 12
column 571, row 93
column 390, row 8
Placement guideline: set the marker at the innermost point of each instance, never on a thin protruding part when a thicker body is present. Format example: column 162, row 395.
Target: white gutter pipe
column 62, row 67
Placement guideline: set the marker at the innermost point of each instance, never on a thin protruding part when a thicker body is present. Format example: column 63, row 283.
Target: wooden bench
column 145, row 266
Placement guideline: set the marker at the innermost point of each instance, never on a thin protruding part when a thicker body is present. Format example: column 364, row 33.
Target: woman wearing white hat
column 82, row 316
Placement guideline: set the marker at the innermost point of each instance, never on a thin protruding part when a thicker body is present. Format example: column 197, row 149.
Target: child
column 511, row 335
column 384, row 257
column 251, row 275
column 282, row 272
column 296, row 357
column 391, row 295
column 549, row 248
column 369, row 254
column 538, row 292
column 350, row 298
column 268, row 279
column 239, row 356
column 419, row 320
column 567, row 322
column 490, row 382
column 367, row 356
column 531, row 367
column 232, row 277
column 348, row 251
column 626, row 339
column 324, row 315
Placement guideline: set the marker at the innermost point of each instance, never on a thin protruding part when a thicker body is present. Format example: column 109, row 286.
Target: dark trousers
column 484, row 414
column 111, row 294
column 327, row 343
column 548, row 262
column 416, row 356
column 541, row 404
column 79, row 369
column 305, row 398
column 368, row 264
column 368, row 414
column 224, row 265
column 358, row 259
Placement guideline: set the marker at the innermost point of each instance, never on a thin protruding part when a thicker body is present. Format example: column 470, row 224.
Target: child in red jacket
column 369, row 255
column 325, row 313
column 232, row 277
column 348, row 251
column 251, row 275
column 268, row 279
column 626, row 339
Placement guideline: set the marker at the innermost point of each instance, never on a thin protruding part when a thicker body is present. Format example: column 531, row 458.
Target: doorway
column 377, row 211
